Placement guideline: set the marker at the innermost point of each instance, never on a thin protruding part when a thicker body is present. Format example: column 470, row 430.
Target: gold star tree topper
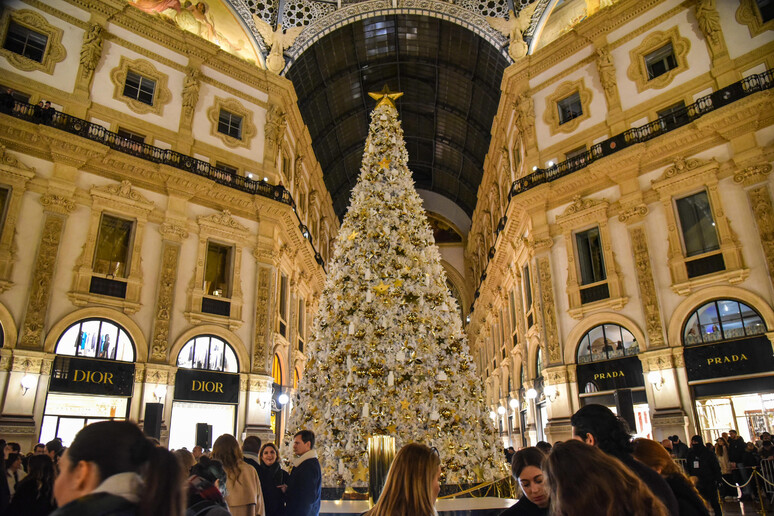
column 385, row 96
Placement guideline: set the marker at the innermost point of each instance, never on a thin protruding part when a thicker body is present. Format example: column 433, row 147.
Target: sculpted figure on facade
column 191, row 87
column 709, row 20
column 606, row 70
column 525, row 115
column 274, row 129
column 513, row 28
column 91, row 51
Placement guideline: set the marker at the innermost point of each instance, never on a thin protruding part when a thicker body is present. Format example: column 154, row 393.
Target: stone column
column 662, row 386
column 56, row 208
column 560, row 403
column 17, row 421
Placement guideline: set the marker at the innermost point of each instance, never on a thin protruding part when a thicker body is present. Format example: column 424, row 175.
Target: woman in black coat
column 34, row 494
column 272, row 475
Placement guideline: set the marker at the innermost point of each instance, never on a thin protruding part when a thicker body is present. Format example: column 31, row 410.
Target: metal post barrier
column 760, row 493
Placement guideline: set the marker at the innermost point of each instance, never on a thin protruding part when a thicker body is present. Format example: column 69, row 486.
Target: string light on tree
column 388, row 355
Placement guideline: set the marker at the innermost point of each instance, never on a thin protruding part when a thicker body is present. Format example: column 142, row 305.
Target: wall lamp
column 551, row 393
column 514, row 403
column 28, row 381
column 501, row 410
column 492, row 415
column 531, row 394
column 655, row 379
column 160, row 392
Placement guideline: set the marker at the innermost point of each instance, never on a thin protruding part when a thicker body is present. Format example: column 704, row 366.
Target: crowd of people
column 113, row 469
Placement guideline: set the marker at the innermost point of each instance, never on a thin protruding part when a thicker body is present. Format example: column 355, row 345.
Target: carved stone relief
column 549, row 311
column 169, row 261
column 760, row 201
column 647, row 287
column 260, row 353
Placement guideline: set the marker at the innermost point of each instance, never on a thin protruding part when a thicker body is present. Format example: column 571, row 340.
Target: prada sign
column 208, row 386
column 92, row 376
column 735, row 358
column 621, row 373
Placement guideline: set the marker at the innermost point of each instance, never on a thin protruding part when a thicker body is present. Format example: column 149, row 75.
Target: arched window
column 722, row 319
column 276, row 370
column 605, row 342
column 295, row 378
column 96, row 338
column 208, row 352
column 539, row 363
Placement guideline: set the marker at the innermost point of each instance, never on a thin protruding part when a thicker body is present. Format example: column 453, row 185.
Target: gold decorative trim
column 161, row 95
column 747, row 14
column 753, row 175
column 55, row 52
column 164, row 301
column 638, row 70
column 564, row 90
column 647, row 288
column 14, row 175
column 235, row 107
column 760, row 201
column 260, row 351
column 549, row 311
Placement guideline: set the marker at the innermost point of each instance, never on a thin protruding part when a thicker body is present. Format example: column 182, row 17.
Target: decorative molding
column 633, row 213
column 261, row 353
column 124, row 192
column 223, row 221
column 760, row 202
column 753, row 175
column 232, row 106
column 549, row 311
column 9, row 160
column 165, row 301
column 91, row 51
column 57, row 204
column 55, row 52
column 564, row 90
column 638, row 70
column 747, row 14
column 173, row 231
column 161, row 95
column 42, row 282
column 648, row 292
column 191, row 86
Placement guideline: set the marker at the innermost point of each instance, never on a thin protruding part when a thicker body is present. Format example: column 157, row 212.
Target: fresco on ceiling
column 443, row 232
column 211, row 20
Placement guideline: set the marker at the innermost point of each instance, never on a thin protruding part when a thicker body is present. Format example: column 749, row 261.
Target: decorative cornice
column 633, row 213
column 123, row 190
column 57, row 204
column 223, row 219
column 10, row 160
column 753, row 175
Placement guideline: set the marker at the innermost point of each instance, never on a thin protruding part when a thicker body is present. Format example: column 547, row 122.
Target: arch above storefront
column 229, row 337
column 134, row 331
column 588, row 323
column 683, row 311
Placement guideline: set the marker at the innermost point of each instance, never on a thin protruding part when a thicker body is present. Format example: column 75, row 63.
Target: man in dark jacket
column 703, row 464
column 679, row 448
column 598, row 426
column 304, row 488
column 736, row 447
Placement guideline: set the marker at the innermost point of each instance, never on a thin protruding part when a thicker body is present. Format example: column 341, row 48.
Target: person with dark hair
column 702, row 464
column 251, row 449
column 100, row 474
column 35, row 493
column 39, row 449
column 7, row 102
column 14, row 471
column 654, row 455
column 544, row 446
column 244, row 496
column 598, row 426
column 272, row 476
column 526, row 469
column 679, row 448
column 5, row 493
column 207, row 489
column 304, row 488
column 185, row 459
column 583, row 480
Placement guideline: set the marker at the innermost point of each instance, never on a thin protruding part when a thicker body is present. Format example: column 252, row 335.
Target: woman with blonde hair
column 654, row 455
column 583, row 480
column 244, row 496
column 412, row 484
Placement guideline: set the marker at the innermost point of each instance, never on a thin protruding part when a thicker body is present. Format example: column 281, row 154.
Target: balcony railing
column 99, row 134
column 738, row 90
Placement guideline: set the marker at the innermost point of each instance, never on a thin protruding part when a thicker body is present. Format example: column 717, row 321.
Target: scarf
column 273, row 472
column 311, row 454
column 200, row 489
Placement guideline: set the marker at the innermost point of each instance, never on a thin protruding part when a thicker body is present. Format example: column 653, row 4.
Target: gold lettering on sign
column 202, row 386
column 612, row 374
column 727, row 359
column 92, row 377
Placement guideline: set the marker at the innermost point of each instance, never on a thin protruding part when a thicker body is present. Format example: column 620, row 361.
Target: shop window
column 130, row 135
column 605, row 342
column 96, row 338
column 765, row 10
column 569, row 108
column 723, row 319
column 283, row 306
column 301, row 324
column 660, row 61
column 217, row 270
column 113, row 250
column 208, row 352
column 230, row 124
column 590, row 260
column 514, row 328
column 25, row 42
column 140, row 88
column 286, row 168
column 276, row 370
column 697, row 224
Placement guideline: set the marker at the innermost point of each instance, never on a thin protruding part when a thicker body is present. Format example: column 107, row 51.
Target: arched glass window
column 276, row 370
column 605, row 342
column 96, row 338
column 208, row 352
column 295, row 378
column 722, row 319
column 539, row 364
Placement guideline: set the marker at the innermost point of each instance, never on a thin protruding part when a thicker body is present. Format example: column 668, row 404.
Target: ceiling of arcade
column 447, row 56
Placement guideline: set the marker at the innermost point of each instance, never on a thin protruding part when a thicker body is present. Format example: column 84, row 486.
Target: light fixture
column 514, row 403
column 160, row 392
column 249, row 175
column 550, row 164
column 28, row 381
column 492, row 415
column 283, row 398
column 551, row 392
column 531, row 394
column 655, row 379
column 534, row 168
column 501, row 410
column 265, row 179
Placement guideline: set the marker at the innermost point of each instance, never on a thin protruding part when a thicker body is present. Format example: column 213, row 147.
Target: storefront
column 608, row 362
column 206, row 391
column 92, row 379
column 730, row 368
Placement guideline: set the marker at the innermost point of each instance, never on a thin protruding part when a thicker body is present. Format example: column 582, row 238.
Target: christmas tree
column 388, row 355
